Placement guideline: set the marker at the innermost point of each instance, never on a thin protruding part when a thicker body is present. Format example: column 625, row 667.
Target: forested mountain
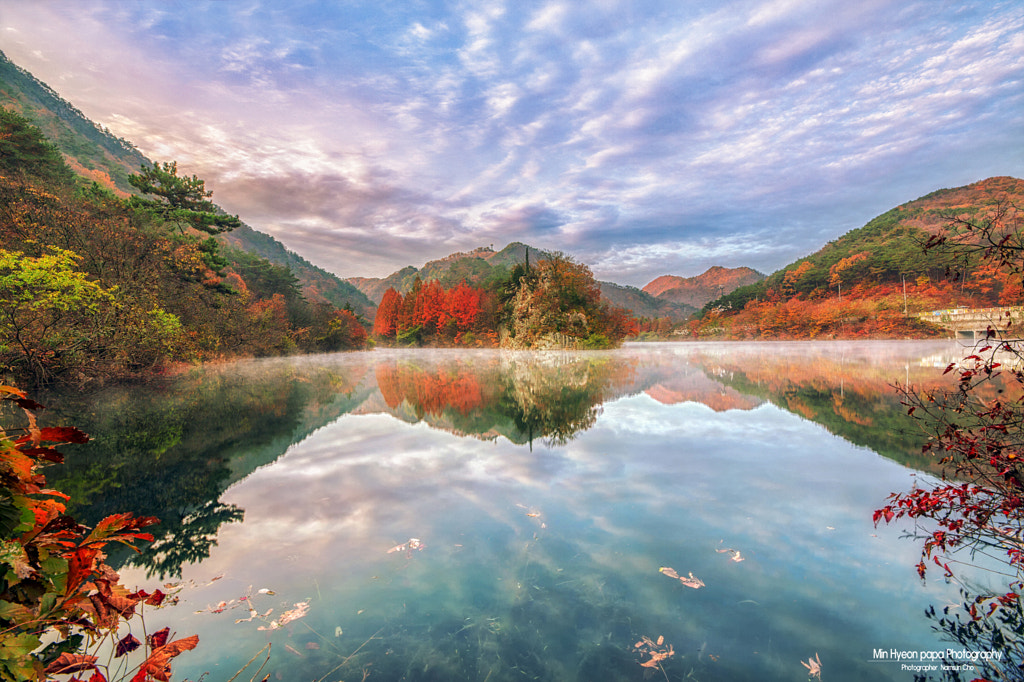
column 90, row 150
column 926, row 254
column 698, row 291
column 96, row 154
column 475, row 268
column 644, row 304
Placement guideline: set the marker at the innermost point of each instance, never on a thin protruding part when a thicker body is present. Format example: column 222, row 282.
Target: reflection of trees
column 977, row 629
column 556, row 398
column 194, row 535
column 852, row 397
column 553, row 396
column 170, row 449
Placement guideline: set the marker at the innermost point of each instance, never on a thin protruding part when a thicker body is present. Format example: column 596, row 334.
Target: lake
column 487, row 515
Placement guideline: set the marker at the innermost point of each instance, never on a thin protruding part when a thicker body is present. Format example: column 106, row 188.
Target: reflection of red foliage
column 428, row 392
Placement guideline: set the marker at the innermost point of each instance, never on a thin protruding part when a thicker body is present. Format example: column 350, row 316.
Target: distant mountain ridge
column 97, row 155
column 473, row 267
column 698, row 291
column 483, row 264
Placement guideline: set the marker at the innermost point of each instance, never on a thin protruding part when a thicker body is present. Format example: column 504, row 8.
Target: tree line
column 554, row 303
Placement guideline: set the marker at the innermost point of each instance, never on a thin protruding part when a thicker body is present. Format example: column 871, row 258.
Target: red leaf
column 49, row 454
column 126, row 645
column 156, row 598
column 158, row 665
column 159, row 638
column 71, row 663
column 63, row 434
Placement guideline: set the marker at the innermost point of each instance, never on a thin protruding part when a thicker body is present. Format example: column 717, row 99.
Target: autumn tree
column 385, row 324
column 558, row 303
column 976, row 431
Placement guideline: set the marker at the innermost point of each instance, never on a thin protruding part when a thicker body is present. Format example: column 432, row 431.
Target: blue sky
column 642, row 137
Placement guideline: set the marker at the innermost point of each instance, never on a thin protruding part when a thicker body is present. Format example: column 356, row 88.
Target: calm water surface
column 532, row 499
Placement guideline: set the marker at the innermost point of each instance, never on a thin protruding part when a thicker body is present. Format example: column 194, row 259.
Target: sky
column 642, row 137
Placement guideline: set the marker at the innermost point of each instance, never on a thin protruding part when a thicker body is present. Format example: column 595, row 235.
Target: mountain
column 97, row 155
column 316, row 283
column 475, row 267
column 643, row 304
column 484, row 264
column 889, row 248
column 698, row 291
column 91, row 150
column 873, row 280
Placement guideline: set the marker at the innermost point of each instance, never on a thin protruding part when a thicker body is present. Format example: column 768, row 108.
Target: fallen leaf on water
column 300, row 610
column 691, row 581
column 413, row 543
column 736, row 556
column 813, row 666
column 695, row 583
column 656, row 650
column 219, row 608
column 338, row 632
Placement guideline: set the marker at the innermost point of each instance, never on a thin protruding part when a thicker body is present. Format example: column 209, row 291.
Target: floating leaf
column 690, row 581
column 300, row 610
column 657, row 651
column 813, row 666
column 413, row 543
column 736, row 556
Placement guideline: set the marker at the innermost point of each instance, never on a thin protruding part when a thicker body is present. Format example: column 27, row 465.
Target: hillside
column 475, row 268
column 316, row 283
column 98, row 156
column 866, row 281
column 698, row 291
column 643, row 304
column 91, row 151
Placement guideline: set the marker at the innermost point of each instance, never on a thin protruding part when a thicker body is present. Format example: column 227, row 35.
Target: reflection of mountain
column 849, row 393
column 171, row 449
column 691, row 385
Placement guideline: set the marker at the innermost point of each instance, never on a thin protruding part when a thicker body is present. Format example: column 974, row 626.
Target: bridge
column 973, row 323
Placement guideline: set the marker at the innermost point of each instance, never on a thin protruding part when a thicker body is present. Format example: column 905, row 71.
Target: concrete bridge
column 973, row 323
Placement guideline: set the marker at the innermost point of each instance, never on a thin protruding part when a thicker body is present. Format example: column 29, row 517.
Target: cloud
column 653, row 139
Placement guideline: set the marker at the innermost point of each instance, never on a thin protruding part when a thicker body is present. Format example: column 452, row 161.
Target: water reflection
column 171, row 448
column 547, row 490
